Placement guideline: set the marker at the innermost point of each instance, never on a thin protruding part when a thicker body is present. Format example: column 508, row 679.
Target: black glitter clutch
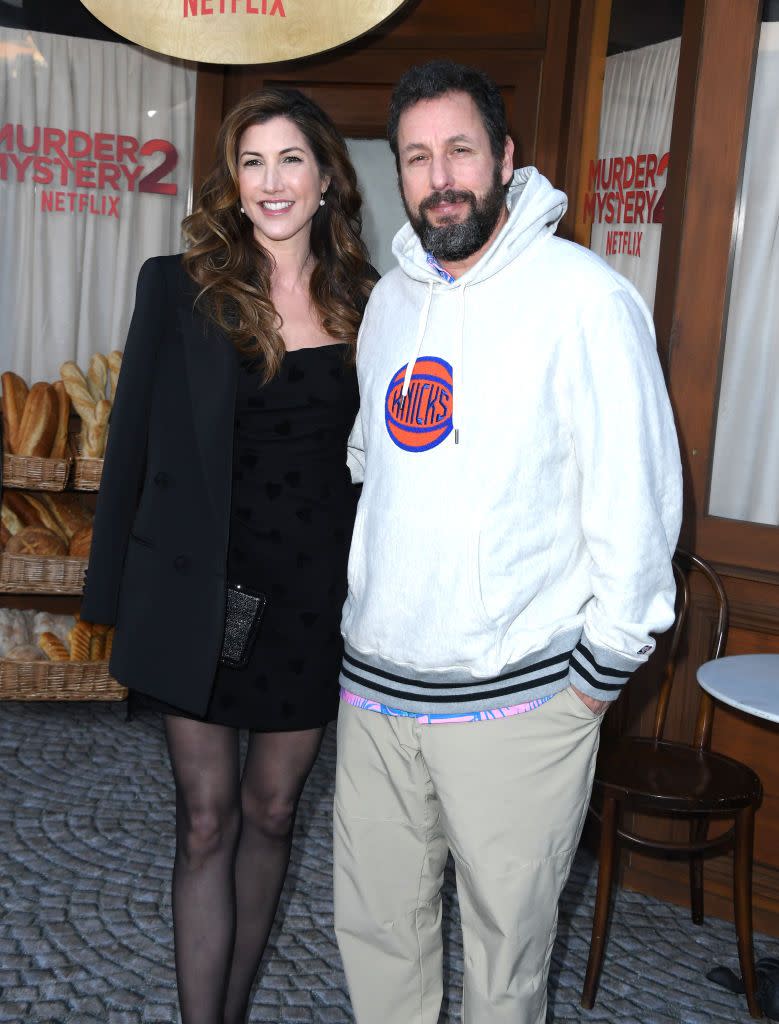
column 243, row 614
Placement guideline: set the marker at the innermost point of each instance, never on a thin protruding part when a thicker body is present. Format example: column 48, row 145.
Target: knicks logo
column 424, row 418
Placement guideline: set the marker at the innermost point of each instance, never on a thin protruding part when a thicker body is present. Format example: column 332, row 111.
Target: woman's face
column 279, row 182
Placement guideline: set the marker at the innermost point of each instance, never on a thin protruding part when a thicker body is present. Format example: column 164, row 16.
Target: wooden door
column 696, row 262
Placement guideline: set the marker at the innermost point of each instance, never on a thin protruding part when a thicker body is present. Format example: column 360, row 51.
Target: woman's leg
column 277, row 766
column 206, row 770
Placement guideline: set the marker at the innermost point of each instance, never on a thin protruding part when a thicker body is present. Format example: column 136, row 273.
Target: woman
column 226, row 465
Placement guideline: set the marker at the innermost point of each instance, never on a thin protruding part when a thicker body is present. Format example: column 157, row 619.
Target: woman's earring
column 322, row 200
column 242, row 210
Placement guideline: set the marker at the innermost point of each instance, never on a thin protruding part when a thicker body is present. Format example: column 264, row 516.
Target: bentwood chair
column 651, row 776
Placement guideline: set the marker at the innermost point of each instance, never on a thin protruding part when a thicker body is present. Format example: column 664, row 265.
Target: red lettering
column 190, row 7
column 7, row 136
column 85, row 174
column 104, row 149
column 640, row 169
column 590, row 199
column 204, row 7
column 628, row 208
column 109, row 174
column 126, row 149
column 651, row 166
column 132, row 176
column 20, row 143
column 594, row 177
column 616, row 178
column 83, row 201
column 59, row 203
column 113, row 210
column 630, row 171
column 278, row 8
column 250, row 9
column 43, row 172
column 74, row 137
column 21, row 166
column 47, row 202
column 640, row 199
column 53, row 142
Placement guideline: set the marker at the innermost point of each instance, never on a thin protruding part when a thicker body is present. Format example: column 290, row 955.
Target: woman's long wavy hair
column 233, row 272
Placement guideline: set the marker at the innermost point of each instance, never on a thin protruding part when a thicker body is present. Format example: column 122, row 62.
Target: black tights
column 233, row 838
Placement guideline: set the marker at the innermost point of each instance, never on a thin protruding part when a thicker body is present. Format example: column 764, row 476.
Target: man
column 512, row 553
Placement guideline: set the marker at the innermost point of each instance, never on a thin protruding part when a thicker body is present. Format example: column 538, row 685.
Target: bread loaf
column 80, row 638
column 69, row 512
column 60, row 446
column 114, row 366
column 97, row 431
column 53, row 647
column 38, row 541
column 18, row 511
column 43, row 515
column 14, row 397
column 97, row 376
column 80, row 543
column 76, row 386
column 39, row 421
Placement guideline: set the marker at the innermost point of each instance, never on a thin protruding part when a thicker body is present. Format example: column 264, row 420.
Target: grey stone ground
column 86, row 818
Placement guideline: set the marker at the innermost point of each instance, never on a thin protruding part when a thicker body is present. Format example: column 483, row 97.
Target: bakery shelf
column 29, row 472
column 86, row 471
column 58, row 680
column 26, row 574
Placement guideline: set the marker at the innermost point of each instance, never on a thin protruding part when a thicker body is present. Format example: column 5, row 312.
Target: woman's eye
column 292, row 160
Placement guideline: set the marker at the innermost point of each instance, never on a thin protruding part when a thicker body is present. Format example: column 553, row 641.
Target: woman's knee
column 271, row 814
column 205, row 831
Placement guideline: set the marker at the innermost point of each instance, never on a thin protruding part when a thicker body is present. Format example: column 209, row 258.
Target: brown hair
column 233, row 272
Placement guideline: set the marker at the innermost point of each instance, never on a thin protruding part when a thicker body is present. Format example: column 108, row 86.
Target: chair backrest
column 684, row 564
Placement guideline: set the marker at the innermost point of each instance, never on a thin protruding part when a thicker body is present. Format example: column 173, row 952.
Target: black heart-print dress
column 292, row 514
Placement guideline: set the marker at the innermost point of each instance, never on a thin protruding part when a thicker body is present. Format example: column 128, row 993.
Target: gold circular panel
column 241, row 31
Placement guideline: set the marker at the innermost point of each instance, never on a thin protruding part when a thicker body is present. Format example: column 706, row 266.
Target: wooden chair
column 649, row 775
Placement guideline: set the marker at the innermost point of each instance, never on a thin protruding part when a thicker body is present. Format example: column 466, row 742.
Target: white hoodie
column 521, row 479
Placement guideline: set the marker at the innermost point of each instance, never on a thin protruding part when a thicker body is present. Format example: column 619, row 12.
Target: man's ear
column 507, row 163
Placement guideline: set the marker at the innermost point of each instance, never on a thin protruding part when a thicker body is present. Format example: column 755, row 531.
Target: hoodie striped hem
column 542, row 675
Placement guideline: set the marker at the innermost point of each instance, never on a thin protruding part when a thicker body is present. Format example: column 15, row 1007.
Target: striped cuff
column 600, row 673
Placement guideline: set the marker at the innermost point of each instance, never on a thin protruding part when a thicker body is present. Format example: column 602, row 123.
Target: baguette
column 80, row 543
column 60, row 446
column 53, row 647
column 114, row 366
column 18, row 511
column 41, row 509
column 80, row 638
column 109, row 643
column 97, row 431
column 76, row 386
column 68, row 510
column 14, row 396
column 97, row 376
column 39, row 421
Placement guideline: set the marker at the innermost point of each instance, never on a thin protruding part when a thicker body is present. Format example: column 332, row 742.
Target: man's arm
column 631, row 492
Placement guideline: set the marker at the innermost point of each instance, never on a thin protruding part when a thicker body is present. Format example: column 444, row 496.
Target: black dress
column 292, row 513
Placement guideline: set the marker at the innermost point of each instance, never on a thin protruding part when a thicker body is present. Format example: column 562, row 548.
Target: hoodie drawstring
column 458, row 374
column 418, row 343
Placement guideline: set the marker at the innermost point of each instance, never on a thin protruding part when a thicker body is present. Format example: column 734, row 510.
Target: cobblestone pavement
column 86, row 818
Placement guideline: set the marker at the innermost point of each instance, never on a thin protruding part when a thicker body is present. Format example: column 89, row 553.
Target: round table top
column 749, row 682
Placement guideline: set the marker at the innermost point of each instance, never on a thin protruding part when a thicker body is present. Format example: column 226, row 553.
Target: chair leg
column 600, row 919
column 698, row 830
column 742, row 892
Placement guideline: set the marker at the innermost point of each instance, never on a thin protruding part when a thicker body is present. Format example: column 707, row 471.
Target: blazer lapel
column 212, row 372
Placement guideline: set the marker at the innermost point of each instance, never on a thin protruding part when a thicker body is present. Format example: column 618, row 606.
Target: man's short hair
column 439, row 77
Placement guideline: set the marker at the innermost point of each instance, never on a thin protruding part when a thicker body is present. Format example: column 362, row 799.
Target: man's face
column 451, row 183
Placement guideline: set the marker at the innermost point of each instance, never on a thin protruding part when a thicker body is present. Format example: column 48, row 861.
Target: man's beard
column 459, row 240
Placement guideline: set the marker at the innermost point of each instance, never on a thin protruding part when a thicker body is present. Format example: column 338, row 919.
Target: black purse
column 243, row 614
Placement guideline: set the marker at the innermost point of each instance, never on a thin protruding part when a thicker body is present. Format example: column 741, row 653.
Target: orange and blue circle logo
column 423, row 419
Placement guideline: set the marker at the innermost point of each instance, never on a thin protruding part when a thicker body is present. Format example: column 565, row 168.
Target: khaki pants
column 508, row 798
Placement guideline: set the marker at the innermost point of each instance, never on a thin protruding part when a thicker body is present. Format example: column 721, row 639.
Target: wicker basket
column 86, row 471
column 26, row 574
column 58, row 680
column 35, row 474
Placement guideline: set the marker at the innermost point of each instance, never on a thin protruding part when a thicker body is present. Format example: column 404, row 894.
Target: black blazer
column 159, row 548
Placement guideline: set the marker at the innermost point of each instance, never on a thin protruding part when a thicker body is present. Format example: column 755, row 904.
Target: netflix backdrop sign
column 241, row 31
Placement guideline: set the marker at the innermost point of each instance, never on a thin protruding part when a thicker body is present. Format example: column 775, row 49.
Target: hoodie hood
column 535, row 208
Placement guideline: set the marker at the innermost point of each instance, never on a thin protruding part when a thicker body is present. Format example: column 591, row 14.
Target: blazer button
column 161, row 479
column 181, row 563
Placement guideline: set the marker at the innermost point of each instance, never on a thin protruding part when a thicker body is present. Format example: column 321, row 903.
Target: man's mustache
column 448, row 195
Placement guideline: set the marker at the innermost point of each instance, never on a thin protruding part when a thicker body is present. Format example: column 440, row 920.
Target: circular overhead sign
column 241, row 31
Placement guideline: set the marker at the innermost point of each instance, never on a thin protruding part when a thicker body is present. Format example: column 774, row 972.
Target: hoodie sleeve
column 631, row 491
column 355, row 452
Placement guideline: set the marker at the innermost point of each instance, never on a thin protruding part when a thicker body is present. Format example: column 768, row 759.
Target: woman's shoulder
column 167, row 270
